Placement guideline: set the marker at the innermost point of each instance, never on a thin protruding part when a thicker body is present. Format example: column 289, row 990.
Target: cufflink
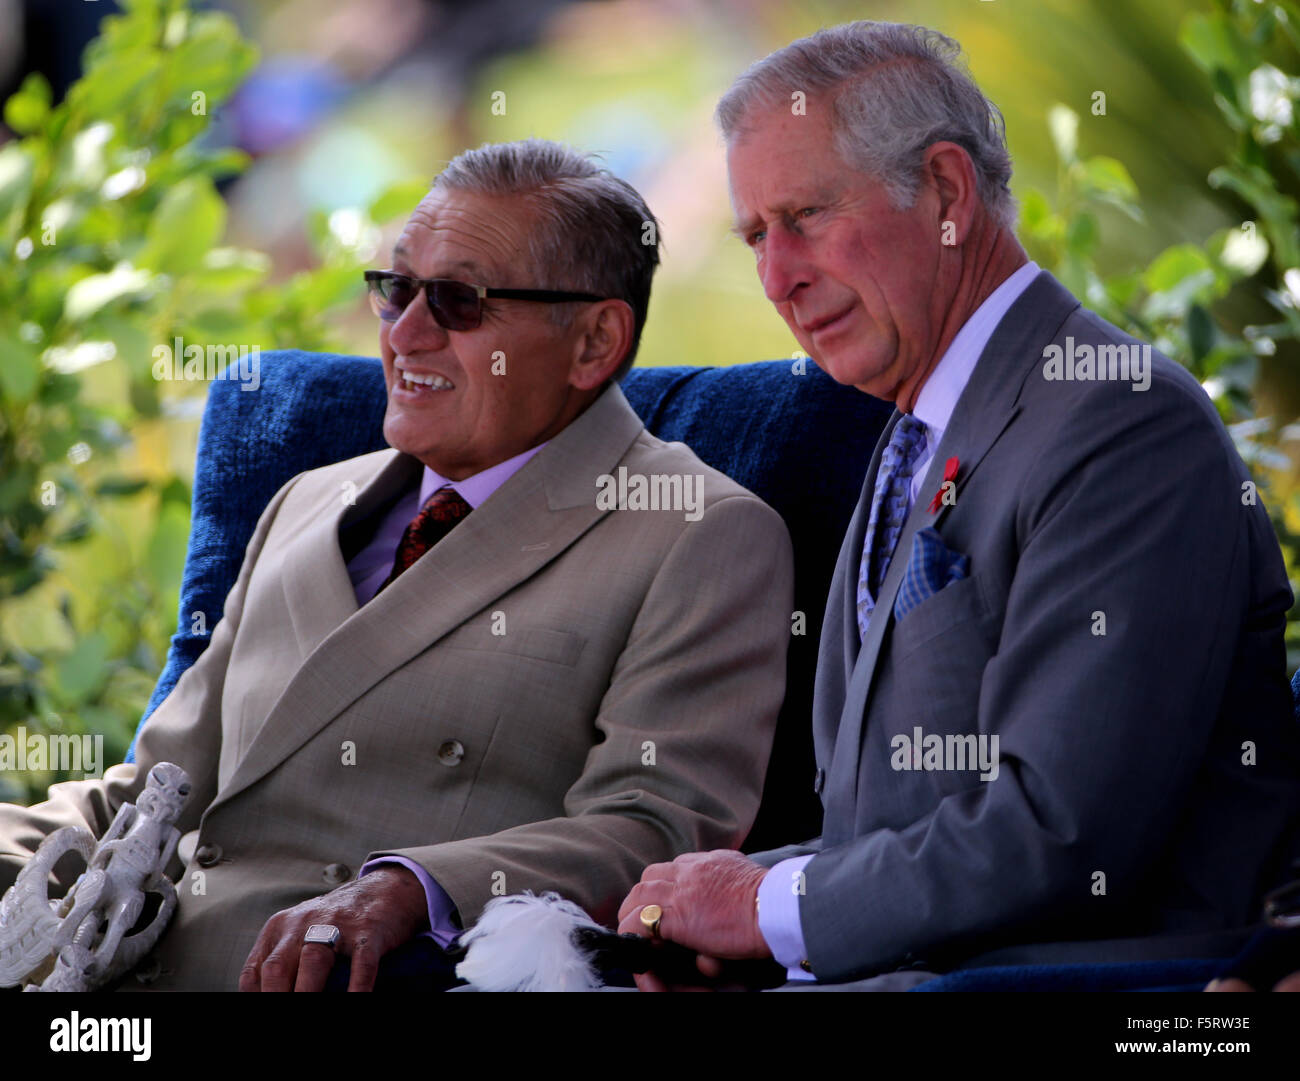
column 806, row 966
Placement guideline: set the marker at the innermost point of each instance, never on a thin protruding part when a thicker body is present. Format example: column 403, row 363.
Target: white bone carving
column 81, row 942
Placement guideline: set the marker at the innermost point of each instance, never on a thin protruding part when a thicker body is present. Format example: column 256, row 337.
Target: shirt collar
column 476, row 489
column 938, row 397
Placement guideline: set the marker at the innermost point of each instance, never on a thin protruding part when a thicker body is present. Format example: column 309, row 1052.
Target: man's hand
column 374, row 914
column 708, row 905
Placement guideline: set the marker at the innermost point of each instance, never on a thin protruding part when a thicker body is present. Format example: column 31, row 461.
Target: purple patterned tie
column 435, row 520
column 890, row 503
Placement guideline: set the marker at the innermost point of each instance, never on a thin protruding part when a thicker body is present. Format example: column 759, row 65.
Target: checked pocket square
column 932, row 566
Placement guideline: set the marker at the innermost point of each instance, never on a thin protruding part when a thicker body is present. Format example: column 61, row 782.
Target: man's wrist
column 405, row 886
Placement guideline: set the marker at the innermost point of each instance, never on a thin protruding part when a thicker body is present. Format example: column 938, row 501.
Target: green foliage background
column 111, row 235
column 114, row 239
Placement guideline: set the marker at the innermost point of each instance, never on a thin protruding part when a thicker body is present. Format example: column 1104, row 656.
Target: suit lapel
column 984, row 410
column 316, row 584
column 837, row 651
column 525, row 524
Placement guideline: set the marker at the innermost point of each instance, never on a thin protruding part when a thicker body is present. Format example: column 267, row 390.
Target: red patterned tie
column 436, row 518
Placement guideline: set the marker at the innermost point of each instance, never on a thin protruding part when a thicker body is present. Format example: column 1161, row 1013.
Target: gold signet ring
column 650, row 917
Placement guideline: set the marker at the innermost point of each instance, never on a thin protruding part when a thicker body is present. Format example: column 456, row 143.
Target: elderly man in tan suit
column 548, row 696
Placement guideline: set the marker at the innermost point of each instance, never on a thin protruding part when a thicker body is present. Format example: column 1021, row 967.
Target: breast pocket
column 955, row 604
column 938, row 652
column 537, row 643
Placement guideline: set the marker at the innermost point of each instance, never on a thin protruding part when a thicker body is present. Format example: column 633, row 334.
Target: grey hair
column 594, row 232
column 895, row 90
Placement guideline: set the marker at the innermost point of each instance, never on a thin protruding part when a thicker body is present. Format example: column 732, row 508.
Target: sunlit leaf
column 188, row 222
column 93, row 292
column 1063, row 123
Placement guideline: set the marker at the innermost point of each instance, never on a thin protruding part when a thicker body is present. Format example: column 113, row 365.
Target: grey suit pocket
column 938, row 654
column 955, row 604
column 539, row 643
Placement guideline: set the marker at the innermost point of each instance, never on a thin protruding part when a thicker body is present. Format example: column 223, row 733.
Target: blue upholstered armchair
column 795, row 438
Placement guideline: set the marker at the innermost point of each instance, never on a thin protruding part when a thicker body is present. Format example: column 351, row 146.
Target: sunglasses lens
column 455, row 305
column 389, row 297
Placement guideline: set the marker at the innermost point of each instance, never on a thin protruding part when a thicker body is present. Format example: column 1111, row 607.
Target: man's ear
column 604, row 338
column 949, row 170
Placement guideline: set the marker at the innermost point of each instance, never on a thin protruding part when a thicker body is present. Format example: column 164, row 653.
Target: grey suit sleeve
column 1134, row 510
column 774, row 856
column 184, row 729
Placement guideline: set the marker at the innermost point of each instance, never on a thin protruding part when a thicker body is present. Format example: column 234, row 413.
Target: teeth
column 412, row 379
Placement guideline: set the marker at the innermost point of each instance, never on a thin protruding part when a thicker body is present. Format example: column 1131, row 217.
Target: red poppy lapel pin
column 950, row 468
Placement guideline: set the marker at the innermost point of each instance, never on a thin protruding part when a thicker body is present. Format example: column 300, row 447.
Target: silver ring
column 324, row 933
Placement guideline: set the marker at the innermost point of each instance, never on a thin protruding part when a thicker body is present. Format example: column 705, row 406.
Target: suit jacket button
column 819, row 781
column 451, row 752
column 208, row 855
column 336, row 873
column 148, row 970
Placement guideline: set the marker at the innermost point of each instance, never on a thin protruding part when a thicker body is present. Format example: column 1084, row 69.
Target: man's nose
column 784, row 266
column 416, row 330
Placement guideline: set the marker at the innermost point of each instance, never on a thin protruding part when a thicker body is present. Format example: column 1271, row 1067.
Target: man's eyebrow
column 742, row 227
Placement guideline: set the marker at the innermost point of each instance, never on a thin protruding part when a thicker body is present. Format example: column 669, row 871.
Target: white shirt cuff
column 778, row 914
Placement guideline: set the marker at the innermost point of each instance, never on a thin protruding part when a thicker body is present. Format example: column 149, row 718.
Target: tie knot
column 444, row 508
column 906, row 443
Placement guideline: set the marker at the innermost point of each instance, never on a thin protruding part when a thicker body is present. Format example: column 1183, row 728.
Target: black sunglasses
column 455, row 305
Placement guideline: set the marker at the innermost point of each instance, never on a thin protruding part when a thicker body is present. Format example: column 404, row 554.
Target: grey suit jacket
column 554, row 696
column 1149, row 775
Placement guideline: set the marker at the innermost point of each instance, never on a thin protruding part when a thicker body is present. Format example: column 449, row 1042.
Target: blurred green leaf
column 1200, row 332
column 166, row 554
column 36, row 626
column 188, row 222
column 79, row 673
column 1213, row 42
column 1175, row 265
column 120, row 486
column 95, row 291
column 28, row 108
column 212, row 58
column 1107, row 176
column 1082, row 235
column 20, row 369
column 230, row 270
column 15, row 188
column 398, row 200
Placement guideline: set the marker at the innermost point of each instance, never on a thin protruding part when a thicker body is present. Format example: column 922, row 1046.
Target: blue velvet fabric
column 787, row 432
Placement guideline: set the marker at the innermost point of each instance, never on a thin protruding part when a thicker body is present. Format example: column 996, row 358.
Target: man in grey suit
column 1051, row 703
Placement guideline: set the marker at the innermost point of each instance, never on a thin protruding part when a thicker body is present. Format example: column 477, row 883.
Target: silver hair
column 594, row 232
column 896, row 89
